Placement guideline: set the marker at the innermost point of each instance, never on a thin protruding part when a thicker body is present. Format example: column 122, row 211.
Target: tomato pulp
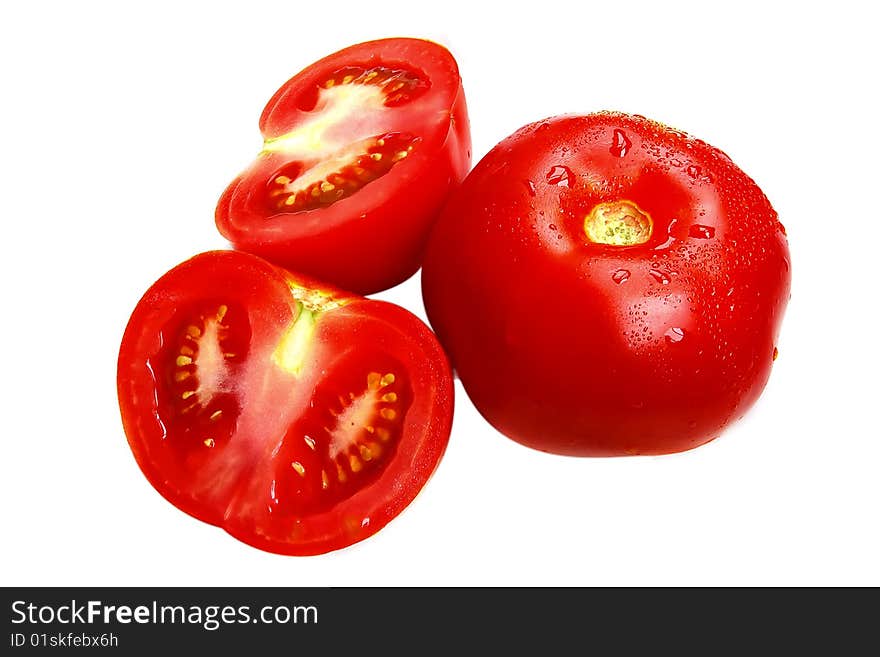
column 360, row 150
column 606, row 285
column 299, row 418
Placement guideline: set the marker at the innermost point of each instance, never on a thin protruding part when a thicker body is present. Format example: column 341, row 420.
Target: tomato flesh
column 285, row 411
column 605, row 285
column 360, row 151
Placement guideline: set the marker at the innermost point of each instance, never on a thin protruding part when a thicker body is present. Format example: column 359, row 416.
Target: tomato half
column 299, row 418
column 360, row 150
column 605, row 285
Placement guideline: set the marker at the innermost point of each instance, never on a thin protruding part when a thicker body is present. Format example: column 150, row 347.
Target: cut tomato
column 360, row 151
column 299, row 418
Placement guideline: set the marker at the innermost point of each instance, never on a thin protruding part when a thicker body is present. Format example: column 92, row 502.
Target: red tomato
column 299, row 418
column 605, row 285
column 361, row 149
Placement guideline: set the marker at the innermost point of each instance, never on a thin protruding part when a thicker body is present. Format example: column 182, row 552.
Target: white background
column 121, row 124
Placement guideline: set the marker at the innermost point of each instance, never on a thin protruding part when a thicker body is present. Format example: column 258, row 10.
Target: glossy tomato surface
column 299, row 418
column 605, row 285
column 360, row 150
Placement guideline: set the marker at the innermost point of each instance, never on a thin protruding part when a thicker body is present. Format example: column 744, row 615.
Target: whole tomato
column 605, row 285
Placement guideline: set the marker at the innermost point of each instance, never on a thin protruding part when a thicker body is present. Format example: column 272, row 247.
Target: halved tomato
column 299, row 418
column 360, row 151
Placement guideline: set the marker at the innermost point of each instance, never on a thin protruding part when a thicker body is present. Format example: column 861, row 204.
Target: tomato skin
column 231, row 482
column 588, row 349
column 375, row 238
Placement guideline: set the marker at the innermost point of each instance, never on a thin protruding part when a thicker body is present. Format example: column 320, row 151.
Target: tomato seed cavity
column 343, row 446
column 192, row 374
column 401, row 86
column 291, row 189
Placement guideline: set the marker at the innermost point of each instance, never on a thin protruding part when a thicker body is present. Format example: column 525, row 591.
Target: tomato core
column 618, row 223
column 290, row 354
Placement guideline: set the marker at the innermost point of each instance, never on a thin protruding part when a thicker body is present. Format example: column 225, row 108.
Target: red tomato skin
column 237, row 501
column 374, row 239
column 585, row 349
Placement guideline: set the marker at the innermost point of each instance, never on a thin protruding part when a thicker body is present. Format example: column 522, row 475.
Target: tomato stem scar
column 618, row 223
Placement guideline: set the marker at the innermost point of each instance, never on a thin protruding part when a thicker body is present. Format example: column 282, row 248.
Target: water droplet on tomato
column 694, row 171
column 674, row 335
column 530, row 186
column 671, row 240
column 559, row 175
column 701, row 232
column 620, row 276
column 660, row 276
column 775, row 353
column 620, row 143
column 552, row 226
